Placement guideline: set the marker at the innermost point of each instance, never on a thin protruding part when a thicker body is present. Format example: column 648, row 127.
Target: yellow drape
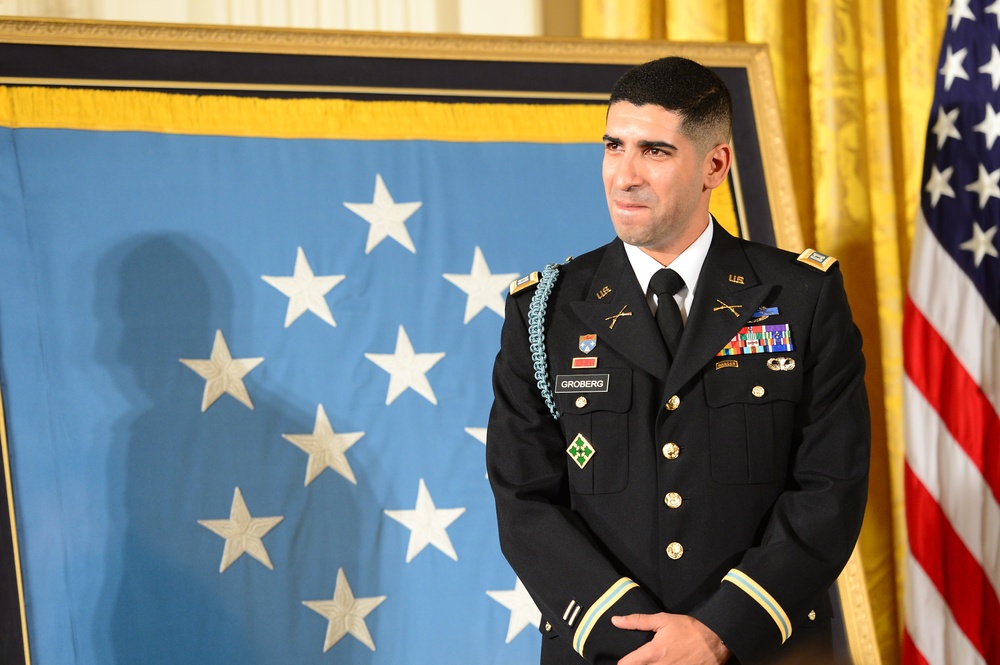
column 855, row 80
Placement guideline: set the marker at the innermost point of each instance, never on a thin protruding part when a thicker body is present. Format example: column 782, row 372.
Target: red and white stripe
column 951, row 347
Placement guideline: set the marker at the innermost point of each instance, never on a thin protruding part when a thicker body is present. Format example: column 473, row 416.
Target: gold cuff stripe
column 597, row 610
column 129, row 110
column 763, row 598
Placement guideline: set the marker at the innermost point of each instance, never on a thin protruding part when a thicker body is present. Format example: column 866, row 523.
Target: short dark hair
column 685, row 87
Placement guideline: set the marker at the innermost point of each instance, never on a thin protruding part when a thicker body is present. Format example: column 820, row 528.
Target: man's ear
column 717, row 163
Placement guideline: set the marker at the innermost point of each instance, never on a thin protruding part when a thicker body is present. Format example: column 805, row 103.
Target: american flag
column 246, row 382
column 951, row 347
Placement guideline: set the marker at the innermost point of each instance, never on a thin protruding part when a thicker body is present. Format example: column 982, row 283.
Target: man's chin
column 632, row 236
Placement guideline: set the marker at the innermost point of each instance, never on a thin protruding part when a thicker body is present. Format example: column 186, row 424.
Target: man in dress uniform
column 680, row 436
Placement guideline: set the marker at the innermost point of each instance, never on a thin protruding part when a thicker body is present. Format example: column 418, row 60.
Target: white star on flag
column 345, row 614
column 484, row 289
column 406, row 369
column 987, row 186
column 223, row 373
column 523, row 611
column 993, row 67
column 306, row 292
column 960, row 9
column 945, row 128
column 990, row 126
column 995, row 10
column 242, row 532
column 938, row 184
column 326, row 449
column 953, row 68
column 427, row 524
column 387, row 218
column 479, row 434
column 981, row 243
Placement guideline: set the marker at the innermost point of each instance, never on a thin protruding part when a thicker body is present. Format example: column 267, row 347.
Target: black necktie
column 665, row 283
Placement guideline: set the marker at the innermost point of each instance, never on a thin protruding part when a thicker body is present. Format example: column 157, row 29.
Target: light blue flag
column 246, row 382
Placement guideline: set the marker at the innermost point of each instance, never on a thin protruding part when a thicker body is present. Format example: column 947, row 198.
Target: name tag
column 582, row 383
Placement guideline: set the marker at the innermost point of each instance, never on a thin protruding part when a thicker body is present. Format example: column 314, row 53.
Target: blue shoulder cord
column 536, row 333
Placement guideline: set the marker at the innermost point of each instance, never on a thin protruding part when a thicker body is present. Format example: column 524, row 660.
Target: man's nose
column 627, row 173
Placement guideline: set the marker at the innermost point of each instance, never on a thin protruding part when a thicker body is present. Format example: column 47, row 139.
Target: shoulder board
column 816, row 260
column 525, row 282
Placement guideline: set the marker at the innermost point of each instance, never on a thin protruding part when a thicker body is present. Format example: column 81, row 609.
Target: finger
column 635, row 622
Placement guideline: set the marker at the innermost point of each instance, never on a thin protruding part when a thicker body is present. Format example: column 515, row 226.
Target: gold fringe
column 862, row 637
column 104, row 110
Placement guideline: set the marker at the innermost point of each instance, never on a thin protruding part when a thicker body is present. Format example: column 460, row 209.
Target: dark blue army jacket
column 730, row 487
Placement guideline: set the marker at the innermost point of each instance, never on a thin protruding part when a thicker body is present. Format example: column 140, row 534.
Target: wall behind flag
column 517, row 17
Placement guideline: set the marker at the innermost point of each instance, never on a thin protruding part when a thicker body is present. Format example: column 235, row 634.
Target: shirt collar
column 687, row 264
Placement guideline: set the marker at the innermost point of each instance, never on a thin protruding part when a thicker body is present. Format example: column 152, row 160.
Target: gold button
column 548, row 627
column 673, row 500
column 581, row 402
column 673, row 403
column 758, row 391
column 812, row 615
column 671, row 450
column 675, row 550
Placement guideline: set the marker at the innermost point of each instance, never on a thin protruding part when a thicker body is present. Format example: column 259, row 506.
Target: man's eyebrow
column 657, row 144
column 644, row 144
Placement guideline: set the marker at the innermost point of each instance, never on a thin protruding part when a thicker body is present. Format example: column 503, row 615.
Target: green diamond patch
column 580, row 450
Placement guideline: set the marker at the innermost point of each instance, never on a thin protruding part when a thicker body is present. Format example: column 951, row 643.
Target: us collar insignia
column 763, row 313
column 759, row 339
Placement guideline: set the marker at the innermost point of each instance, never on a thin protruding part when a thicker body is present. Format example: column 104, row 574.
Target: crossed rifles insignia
column 731, row 308
column 614, row 319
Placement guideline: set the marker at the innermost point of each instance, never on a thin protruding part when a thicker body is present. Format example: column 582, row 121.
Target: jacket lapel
column 633, row 334
column 729, row 292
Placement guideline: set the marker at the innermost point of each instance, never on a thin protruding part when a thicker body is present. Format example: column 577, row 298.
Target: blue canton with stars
column 961, row 196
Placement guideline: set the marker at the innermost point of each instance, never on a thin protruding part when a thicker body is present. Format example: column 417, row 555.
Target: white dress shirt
column 687, row 264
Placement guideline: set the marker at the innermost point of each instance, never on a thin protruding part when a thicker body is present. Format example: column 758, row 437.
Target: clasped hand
column 678, row 640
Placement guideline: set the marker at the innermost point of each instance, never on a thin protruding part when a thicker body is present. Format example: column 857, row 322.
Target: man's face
column 655, row 178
